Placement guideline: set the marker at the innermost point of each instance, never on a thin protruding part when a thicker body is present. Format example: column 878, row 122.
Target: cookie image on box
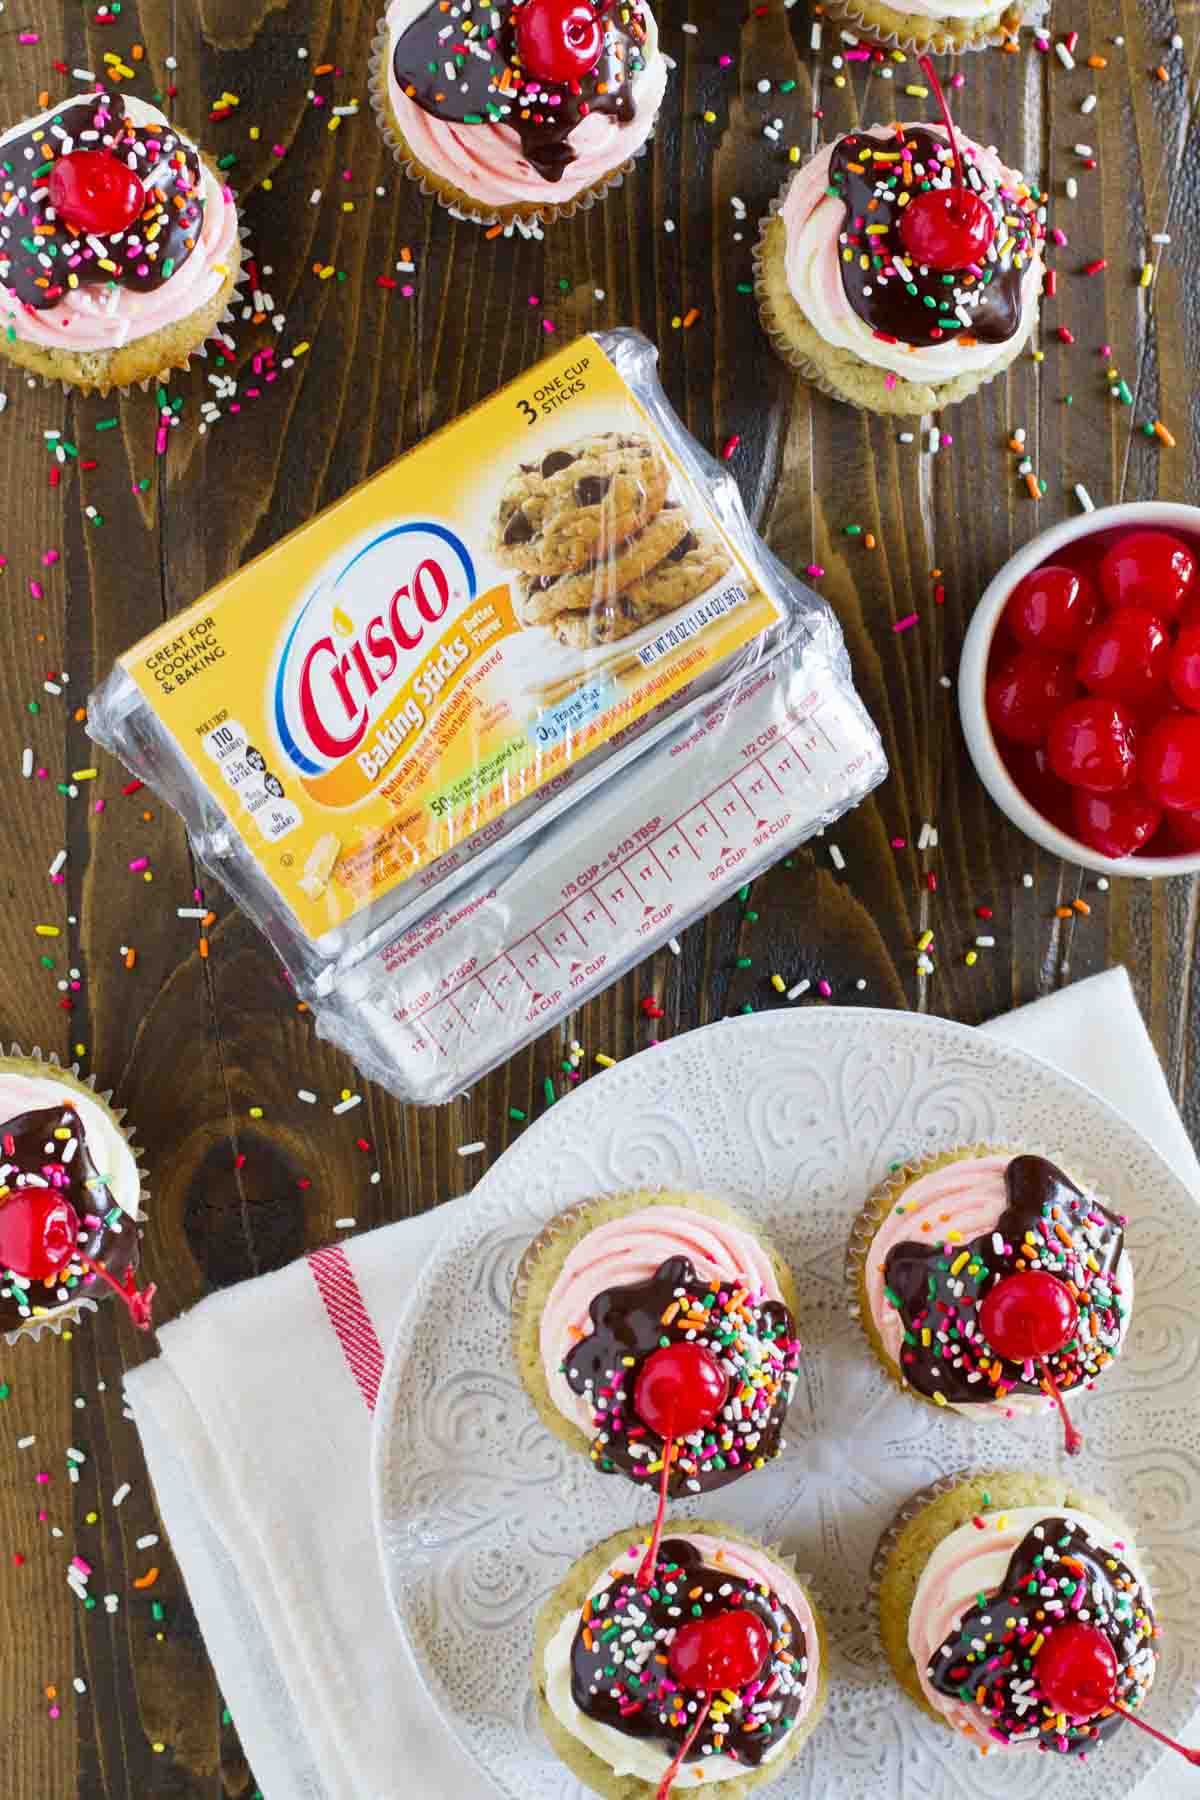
column 601, row 545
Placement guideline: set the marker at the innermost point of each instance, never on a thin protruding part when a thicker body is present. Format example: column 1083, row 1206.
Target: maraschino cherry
column 1027, row 1317
column 39, row 1230
column 946, row 228
column 726, row 1650
column 680, row 1389
column 561, row 40
column 95, row 192
column 1077, row 1673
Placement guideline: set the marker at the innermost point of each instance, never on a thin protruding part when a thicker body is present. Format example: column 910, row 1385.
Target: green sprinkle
column 226, row 1716
column 747, row 287
column 156, row 1610
column 5, row 1390
column 47, row 962
column 472, row 118
column 227, row 161
column 852, row 530
column 89, row 1604
column 33, row 707
column 748, row 1007
column 548, row 1090
column 106, row 424
column 168, row 267
column 744, row 962
column 514, row 1112
column 751, row 918
column 892, row 1297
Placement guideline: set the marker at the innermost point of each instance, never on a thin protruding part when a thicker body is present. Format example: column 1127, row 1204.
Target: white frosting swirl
column 967, row 1197
column 107, row 318
column 635, row 1756
column 486, row 161
column 971, row 1562
column 629, row 1249
column 814, row 221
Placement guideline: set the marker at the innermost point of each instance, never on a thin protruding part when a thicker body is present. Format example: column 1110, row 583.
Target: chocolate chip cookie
column 578, row 503
column 695, row 564
column 542, row 597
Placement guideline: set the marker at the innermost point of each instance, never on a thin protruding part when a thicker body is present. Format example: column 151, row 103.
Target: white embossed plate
column 793, row 1116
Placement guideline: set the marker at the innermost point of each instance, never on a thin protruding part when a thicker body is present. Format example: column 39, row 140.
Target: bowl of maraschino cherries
column 1079, row 689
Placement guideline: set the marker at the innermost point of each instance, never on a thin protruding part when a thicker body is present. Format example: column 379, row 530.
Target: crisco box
column 416, row 685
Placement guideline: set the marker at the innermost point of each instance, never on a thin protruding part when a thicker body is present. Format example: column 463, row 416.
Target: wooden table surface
column 192, row 1046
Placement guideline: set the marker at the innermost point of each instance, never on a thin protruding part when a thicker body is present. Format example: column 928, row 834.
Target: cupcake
column 525, row 110
column 656, row 1333
column 119, row 244
column 893, row 282
column 70, row 1195
column 991, row 1283
column 943, row 26
column 1014, row 1609
column 708, row 1667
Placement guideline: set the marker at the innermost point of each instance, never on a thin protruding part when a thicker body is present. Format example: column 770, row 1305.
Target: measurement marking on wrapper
column 620, row 887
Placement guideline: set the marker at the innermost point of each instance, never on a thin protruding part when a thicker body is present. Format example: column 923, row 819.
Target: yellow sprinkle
column 1039, row 356
column 794, row 154
column 334, row 122
column 256, row 1112
column 926, row 937
column 960, row 1260
column 302, row 349
column 606, row 1062
column 1147, row 275
column 255, row 134
column 939, row 1399
column 84, row 774
column 47, row 931
column 971, row 958
column 926, row 1338
column 778, row 983
column 918, row 93
column 710, row 118
column 954, row 1237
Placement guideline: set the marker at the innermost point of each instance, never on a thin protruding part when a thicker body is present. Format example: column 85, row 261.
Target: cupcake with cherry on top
column 900, row 268
column 1015, row 1609
column 992, row 1284
column 699, row 1661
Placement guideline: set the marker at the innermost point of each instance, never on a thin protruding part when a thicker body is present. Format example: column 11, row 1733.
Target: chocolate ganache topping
column 47, row 1149
column 42, row 255
column 901, row 301
column 619, row 1672
column 752, row 1338
column 455, row 65
column 988, row 1661
column 1048, row 1224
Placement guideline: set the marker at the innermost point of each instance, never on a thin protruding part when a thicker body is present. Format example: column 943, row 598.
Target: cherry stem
column 1074, row 1438
column 139, row 1304
column 930, row 74
column 1192, row 1756
column 645, row 1574
column 664, row 1786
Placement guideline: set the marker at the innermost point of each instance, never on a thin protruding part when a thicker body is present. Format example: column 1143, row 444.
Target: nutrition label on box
column 244, row 768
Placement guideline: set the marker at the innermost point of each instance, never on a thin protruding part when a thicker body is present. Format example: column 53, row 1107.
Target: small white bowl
column 1166, row 515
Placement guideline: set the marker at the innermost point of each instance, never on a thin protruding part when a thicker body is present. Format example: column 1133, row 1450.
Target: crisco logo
column 359, row 634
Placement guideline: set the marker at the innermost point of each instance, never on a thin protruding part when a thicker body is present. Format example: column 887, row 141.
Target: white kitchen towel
column 256, row 1423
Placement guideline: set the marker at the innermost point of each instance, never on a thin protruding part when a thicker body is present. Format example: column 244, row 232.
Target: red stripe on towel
column 350, row 1319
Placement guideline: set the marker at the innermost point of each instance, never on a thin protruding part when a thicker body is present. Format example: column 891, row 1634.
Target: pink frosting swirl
column 629, row 1249
column 89, row 318
column 485, row 161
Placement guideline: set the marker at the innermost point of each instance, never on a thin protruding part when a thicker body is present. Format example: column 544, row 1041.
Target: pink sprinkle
column 28, row 37
column 724, row 62
column 35, row 588
column 277, row 150
column 815, row 570
column 55, row 1712
column 99, row 806
column 824, row 989
column 957, row 81
column 1059, row 236
column 548, row 325
column 42, row 1478
column 139, row 862
column 49, row 558
column 1105, row 350
column 84, row 1568
column 889, row 380
column 906, row 623
column 534, row 301
column 899, row 843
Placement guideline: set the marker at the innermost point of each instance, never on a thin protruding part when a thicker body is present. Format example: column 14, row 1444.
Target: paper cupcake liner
column 526, row 217
column 48, row 1066
column 908, row 398
column 930, row 42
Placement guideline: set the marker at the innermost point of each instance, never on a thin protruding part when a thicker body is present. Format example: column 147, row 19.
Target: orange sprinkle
column 869, row 540
column 574, row 1333
column 1062, row 912
column 1163, row 435
column 1081, row 906
column 323, row 69
column 494, row 231
column 203, row 949
column 1161, row 73
column 146, row 1580
column 137, row 53
column 52, row 1693
column 690, row 317
column 1097, row 62
column 1016, row 444
column 80, row 714
column 1035, row 492
column 130, row 957
column 587, row 1640
column 210, row 918
column 44, row 99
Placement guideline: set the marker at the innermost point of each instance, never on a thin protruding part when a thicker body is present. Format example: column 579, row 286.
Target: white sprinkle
column 344, row 1224
column 1102, row 883
column 945, row 681
column 52, row 687
column 191, row 912
column 25, row 1442
column 75, row 1455
column 1084, row 150
column 935, row 440
column 673, row 946
column 691, row 30
column 72, row 1471
column 79, row 1685
column 1019, row 434
column 148, row 1542
column 764, row 87
column 1072, row 187
column 801, row 987
column 923, row 840
column 1088, row 103
column 1064, row 56
column 1027, row 881
column 814, row 36
column 348, row 1105
column 27, row 763
column 1160, row 237
column 111, row 1603
column 861, row 984
column 924, row 966
column 58, row 862
column 985, row 943
column 84, row 74
column 906, row 437
column 1176, row 41
column 848, row 37
column 668, row 225
column 471, row 1149
column 307, row 1095
column 122, row 1493
column 1084, row 498
column 836, row 857
column 376, row 1177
